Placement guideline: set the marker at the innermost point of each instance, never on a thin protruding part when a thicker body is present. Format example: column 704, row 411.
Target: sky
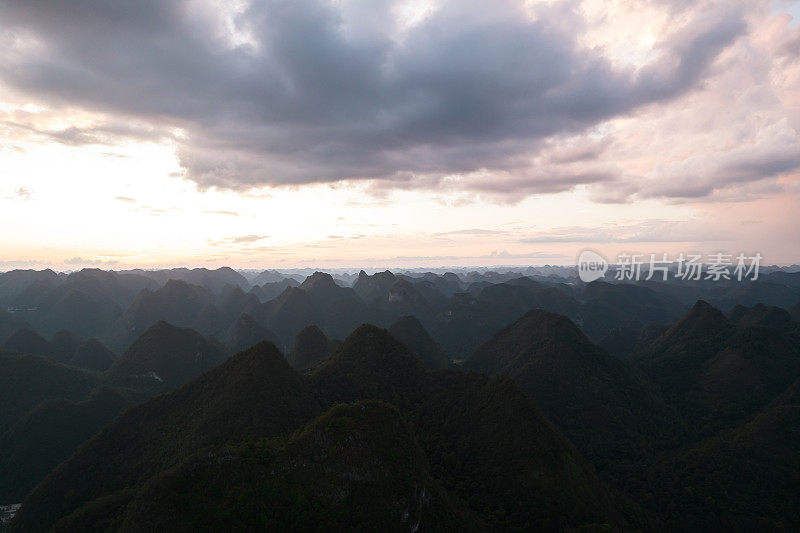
column 404, row 133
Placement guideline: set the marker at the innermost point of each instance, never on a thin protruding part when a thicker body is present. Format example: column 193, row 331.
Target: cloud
column 19, row 263
column 23, row 194
column 774, row 151
column 125, row 199
column 240, row 239
column 493, row 255
column 472, row 231
column 102, row 133
column 80, row 261
column 287, row 92
column 643, row 231
column 226, row 213
column 342, row 237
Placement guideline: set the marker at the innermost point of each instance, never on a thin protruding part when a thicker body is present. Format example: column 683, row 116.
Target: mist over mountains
column 482, row 400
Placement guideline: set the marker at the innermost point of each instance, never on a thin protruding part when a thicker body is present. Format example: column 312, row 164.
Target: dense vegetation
column 531, row 477
column 604, row 405
column 48, row 434
column 355, row 464
column 596, row 406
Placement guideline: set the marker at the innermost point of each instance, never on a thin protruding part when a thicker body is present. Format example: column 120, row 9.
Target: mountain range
column 487, row 401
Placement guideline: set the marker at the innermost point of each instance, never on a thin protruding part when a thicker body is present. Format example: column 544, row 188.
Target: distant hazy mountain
column 121, row 288
column 213, row 280
column 177, row 303
column 84, row 302
column 310, row 346
column 268, row 276
column 288, row 314
column 374, row 288
column 247, row 332
column 785, row 278
column 167, row 355
column 84, row 313
column 392, row 296
column 317, row 301
column 340, row 308
column 605, row 306
column 447, row 284
column 759, row 315
column 728, row 295
column 410, row 331
column 13, row 283
column 270, row 290
column 232, row 301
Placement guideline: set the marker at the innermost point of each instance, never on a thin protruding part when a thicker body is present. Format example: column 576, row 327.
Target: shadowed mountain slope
column 10, row 324
column 47, row 435
column 410, row 331
column 254, row 394
column 65, row 345
column 27, row 341
column 93, row 355
column 744, row 479
column 794, row 311
column 27, row 380
column 760, row 315
column 356, row 466
column 247, row 332
column 310, row 346
column 604, row 405
column 717, row 373
column 485, row 438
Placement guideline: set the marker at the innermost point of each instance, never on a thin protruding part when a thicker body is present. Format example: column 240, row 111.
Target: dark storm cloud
column 317, row 92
